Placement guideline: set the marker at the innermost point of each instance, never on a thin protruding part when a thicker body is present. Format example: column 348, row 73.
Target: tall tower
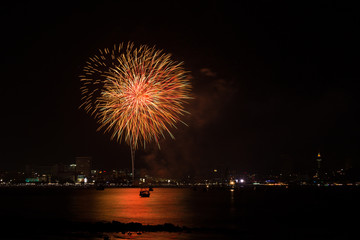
column 318, row 161
column 318, row 165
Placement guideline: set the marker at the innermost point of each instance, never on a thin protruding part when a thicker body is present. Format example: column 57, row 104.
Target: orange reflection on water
column 125, row 205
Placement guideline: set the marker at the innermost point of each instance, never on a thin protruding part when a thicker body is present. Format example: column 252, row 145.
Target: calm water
column 251, row 214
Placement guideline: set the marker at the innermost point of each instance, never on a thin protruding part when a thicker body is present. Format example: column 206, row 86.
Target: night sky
column 273, row 83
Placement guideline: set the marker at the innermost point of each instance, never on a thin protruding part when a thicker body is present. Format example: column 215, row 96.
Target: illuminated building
column 83, row 168
column 318, row 161
column 318, row 166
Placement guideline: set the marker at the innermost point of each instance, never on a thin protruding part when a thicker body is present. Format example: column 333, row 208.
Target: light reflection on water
column 219, row 212
column 165, row 205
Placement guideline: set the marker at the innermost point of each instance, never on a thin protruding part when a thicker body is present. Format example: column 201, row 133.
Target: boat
column 151, row 189
column 144, row 193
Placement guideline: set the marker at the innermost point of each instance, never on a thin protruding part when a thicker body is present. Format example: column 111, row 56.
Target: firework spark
column 138, row 94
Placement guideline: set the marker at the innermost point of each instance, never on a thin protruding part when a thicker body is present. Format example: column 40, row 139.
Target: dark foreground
column 247, row 213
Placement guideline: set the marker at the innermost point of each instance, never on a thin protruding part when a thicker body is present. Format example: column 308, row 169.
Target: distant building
column 83, row 168
column 318, row 161
column 42, row 173
column 318, row 166
column 71, row 167
column 66, row 173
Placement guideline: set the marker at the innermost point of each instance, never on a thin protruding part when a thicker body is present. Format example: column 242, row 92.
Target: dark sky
column 274, row 82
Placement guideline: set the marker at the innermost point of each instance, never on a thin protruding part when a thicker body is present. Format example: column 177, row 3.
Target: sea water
column 244, row 213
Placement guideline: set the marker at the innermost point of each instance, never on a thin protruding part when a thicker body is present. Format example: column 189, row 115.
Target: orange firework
column 136, row 93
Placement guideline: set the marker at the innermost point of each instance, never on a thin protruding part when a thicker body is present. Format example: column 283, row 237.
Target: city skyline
column 274, row 84
column 83, row 167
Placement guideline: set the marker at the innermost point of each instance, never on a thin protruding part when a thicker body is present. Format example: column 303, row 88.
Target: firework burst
column 138, row 94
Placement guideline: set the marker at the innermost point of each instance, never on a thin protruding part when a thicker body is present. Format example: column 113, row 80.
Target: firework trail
column 138, row 94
